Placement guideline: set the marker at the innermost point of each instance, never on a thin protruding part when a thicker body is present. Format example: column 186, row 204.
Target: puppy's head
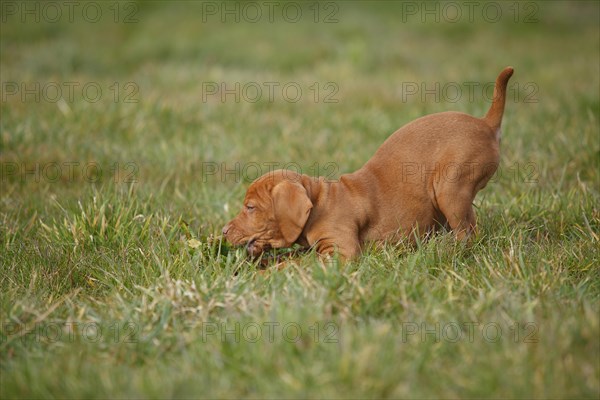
column 274, row 213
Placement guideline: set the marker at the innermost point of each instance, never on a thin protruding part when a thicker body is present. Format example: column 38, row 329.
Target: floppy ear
column 292, row 207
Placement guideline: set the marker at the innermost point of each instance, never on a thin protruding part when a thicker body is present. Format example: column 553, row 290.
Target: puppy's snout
column 226, row 228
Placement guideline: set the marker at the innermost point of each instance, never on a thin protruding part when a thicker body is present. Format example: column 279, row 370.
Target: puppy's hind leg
column 456, row 205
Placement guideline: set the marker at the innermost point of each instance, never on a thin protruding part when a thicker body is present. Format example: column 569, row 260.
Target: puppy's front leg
column 346, row 249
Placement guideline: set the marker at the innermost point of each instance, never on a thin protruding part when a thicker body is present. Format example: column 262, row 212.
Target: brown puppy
column 423, row 177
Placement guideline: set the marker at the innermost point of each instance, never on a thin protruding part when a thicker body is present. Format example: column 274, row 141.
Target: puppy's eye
column 250, row 207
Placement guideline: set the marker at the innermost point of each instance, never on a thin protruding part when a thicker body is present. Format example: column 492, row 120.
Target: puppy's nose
column 226, row 229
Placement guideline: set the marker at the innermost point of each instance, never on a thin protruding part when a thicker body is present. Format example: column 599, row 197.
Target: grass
column 114, row 281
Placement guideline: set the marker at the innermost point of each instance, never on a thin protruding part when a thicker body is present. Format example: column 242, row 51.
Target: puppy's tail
column 494, row 115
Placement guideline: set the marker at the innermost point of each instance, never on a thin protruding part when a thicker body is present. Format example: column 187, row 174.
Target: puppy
column 423, row 177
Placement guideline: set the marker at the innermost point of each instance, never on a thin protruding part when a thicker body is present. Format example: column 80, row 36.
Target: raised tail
column 494, row 115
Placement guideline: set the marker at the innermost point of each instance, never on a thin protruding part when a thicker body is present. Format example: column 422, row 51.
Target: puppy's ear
column 292, row 207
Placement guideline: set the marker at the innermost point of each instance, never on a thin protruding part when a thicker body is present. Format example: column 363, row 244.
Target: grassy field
column 131, row 130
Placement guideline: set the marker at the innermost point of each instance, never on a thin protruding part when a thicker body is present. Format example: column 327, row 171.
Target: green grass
column 113, row 278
